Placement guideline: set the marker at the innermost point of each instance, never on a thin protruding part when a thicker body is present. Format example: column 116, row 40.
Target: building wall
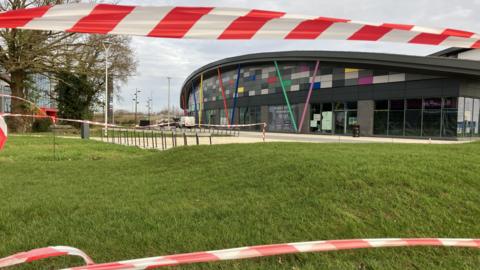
column 351, row 93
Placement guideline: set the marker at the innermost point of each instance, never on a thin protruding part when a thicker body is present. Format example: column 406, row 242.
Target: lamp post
column 106, row 46
column 168, row 108
column 149, row 109
column 136, row 103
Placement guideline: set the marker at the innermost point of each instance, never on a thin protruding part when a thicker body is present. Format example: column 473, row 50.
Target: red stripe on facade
column 457, row 33
column 370, row 32
column 311, row 29
column 178, row 21
column 247, row 26
column 20, row 17
column 428, row 39
column 103, row 19
column 398, row 26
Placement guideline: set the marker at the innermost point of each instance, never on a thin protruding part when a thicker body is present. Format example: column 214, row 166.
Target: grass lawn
column 116, row 202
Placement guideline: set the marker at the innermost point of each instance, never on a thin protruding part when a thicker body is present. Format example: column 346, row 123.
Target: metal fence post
column 163, row 145
column 196, row 136
column 143, row 133
column 185, row 143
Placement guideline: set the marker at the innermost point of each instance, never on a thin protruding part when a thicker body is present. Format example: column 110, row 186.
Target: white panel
column 264, row 75
column 324, row 78
column 251, row 93
column 351, row 75
column 380, row 79
column 264, row 91
column 396, row 77
column 304, row 74
column 61, row 17
column 295, row 87
column 141, row 21
column 327, row 84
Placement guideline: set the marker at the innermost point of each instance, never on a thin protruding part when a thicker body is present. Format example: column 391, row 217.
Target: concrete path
column 256, row 137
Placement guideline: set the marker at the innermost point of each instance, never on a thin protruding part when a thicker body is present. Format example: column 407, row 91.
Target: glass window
column 351, row 105
column 339, row 106
column 431, row 123
column 279, row 118
column 381, row 105
column 380, row 123
column 351, row 120
column 395, row 123
column 468, row 117
column 413, row 122
column 449, row 124
column 414, row 104
column 398, row 104
column 460, row 115
column 476, row 116
column 326, row 123
column 432, row 103
column 450, row 103
column 340, row 122
column 315, row 117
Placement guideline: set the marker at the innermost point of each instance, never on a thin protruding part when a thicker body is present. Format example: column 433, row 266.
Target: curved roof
column 408, row 63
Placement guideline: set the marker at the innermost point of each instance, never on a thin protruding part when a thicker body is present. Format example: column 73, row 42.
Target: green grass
column 116, row 202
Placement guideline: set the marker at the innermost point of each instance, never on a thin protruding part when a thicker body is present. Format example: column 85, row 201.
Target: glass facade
column 279, row 119
column 333, row 118
column 428, row 117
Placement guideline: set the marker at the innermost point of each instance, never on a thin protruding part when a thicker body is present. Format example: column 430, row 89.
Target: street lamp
column 106, row 46
column 136, row 103
column 168, row 109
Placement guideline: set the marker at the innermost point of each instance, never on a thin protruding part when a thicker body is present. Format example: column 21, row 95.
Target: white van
column 187, row 121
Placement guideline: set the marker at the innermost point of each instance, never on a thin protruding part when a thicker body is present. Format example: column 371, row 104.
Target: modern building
column 41, row 93
column 436, row 96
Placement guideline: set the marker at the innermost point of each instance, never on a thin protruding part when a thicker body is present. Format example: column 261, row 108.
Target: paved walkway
column 256, row 137
column 288, row 137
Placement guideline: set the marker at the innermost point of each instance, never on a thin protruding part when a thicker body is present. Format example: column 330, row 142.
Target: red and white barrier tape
column 223, row 24
column 3, row 132
column 24, row 100
column 43, row 253
column 54, row 119
column 236, row 253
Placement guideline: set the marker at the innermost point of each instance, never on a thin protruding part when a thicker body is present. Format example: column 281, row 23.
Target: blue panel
column 253, row 77
column 317, row 85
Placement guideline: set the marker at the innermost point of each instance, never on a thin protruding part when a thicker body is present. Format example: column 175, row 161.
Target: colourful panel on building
column 365, row 80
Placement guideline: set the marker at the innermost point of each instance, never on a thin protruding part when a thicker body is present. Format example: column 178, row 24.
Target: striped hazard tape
column 236, row 253
column 223, row 24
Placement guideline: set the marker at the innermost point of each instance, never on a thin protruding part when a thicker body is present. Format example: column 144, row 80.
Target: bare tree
column 25, row 52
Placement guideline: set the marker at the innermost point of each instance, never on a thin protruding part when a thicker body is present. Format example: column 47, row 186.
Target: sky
column 177, row 58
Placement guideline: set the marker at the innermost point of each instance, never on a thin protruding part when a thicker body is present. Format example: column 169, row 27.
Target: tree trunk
column 17, row 86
